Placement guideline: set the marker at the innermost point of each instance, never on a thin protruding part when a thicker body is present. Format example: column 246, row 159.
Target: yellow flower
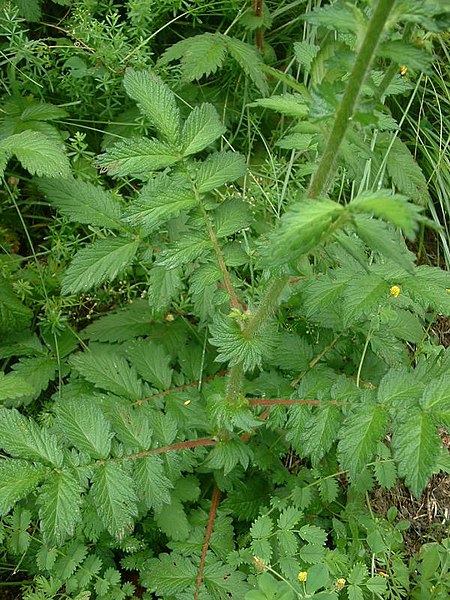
column 302, row 576
column 395, row 291
column 340, row 583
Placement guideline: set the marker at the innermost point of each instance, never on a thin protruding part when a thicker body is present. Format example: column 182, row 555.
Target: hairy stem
column 322, row 177
column 209, row 530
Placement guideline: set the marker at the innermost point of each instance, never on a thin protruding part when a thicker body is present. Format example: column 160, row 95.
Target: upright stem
column 322, row 177
column 325, row 171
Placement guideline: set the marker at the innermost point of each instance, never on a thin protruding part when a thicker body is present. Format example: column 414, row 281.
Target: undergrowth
column 216, row 336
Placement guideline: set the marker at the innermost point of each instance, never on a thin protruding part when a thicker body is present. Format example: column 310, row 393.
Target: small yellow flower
column 302, row 576
column 340, row 584
column 403, row 70
column 447, row 290
column 395, row 291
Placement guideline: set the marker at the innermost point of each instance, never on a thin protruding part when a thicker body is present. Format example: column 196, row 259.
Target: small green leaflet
column 60, row 501
column 161, row 199
column 115, row 499
column 219, row 168
column 249, row 60
column 122, row 324
column 152, row 485
column 295, row 141
column 13, row 314
column 67, row 563
column 39, row 154
column 151, row 362
column 109, row 371
column 156, row 101
column 17, row 479
column 83, row 202
column 169, row 575
column 37, row 371
column 184, row 251
column 22, row 438
column 100, row 262
column 291, row 105
column 201, row 128
column 359, row 437
column 85, row 427
column 261, row 528
column 320, row 432
column 436, row 399
column 416, row 445
column 231, row 216
column 362, row 295
column 163, row 288
column 137, row 157
column 13, row 386
column 305, row 225
column 172, row 520
column 131, row 427
column 390, row 207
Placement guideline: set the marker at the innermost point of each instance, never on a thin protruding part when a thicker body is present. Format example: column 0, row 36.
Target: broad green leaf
column 172, row 520
column 130, row 426
column 164, row 287
column 115, row 499
column 109, row 371
column 37, row 371
column 393, row 208
column 313, row 534
column 231, row 216
column 83, row 202
column 85, row 427
column 60, row 501
column 17, row 479
column 170, row 575
column 305, row 53
column 291, row 105
column 295, row 141
column 262, row 527
column 202, row 128
column 305, row 225
column 362, row 296
column 41, row 111
column 186, row 250
column 416, row 445
column 13, row 314
column 200, row 55
column 161, row 199
column 398, row 387
column 122, row 324
column 38, row 154
column 13, row 386
column 156, row 101
column 320, row 432
column 151, row 362
column 379, row 237
column 22, row 438
column 68, row 561
column 137, row 157
column 339, row 16
column 359, row 437
column 289, row 517
column 436, row 399
column 249, row 60
column 100, row 262
column 412, row 57
column 219, row 168
column 318, row 577
column 152, row 485
column 377, row 585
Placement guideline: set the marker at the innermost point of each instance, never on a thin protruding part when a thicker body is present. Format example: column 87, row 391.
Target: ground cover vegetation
column 223, row 296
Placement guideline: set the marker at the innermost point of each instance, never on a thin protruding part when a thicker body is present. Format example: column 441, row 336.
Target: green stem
column 322, row 177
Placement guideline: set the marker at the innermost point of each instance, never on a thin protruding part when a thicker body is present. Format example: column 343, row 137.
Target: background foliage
column 223, row 297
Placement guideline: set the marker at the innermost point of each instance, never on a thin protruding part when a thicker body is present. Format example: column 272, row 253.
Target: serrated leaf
column 130, row 426
column 379, row 237
column 164, row 286
column 329, row 489
column 231, row 216
column 200, row 55
column 37, row 371
column 320, row 432
column 73, row 556
column 227, row 454
column 295, row 141
column 377, row 585
column 384, row 468
column 305, row 53
column 412, row 57
column 219, row 168
column 115, row 499
column 39, row 154
column 313, row 534
column 291, row 105
column 416, row 445
column 13, row 386
column 13, row 314
column 312, row 553
column 359, row 437
column 109, row 371
column 60, row 501
column 17, row 479
column 289, row 517
column 21, row 437
column 152, row 485
column 156, row 101
column 123, row 324
column 161, row 199
column 249, row 60
column 362, row 296
column 436, row 399
column 83, row 202
column 169, row 575
column 262, row 527
column 172, row 520
column 186, row 250
column 137, row 157
column 390, row 207
column 201, row 128
column 340, row 17
column 305, row 225
column 85, row 427
column 100, row 262
column 151, row 362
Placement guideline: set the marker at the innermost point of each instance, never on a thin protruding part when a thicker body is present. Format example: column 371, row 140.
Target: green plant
column 258, row 338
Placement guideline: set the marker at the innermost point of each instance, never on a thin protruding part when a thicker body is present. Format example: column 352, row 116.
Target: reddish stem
column 286, row 402
column 178, row 446
column 209, row 530
column 181, row 388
